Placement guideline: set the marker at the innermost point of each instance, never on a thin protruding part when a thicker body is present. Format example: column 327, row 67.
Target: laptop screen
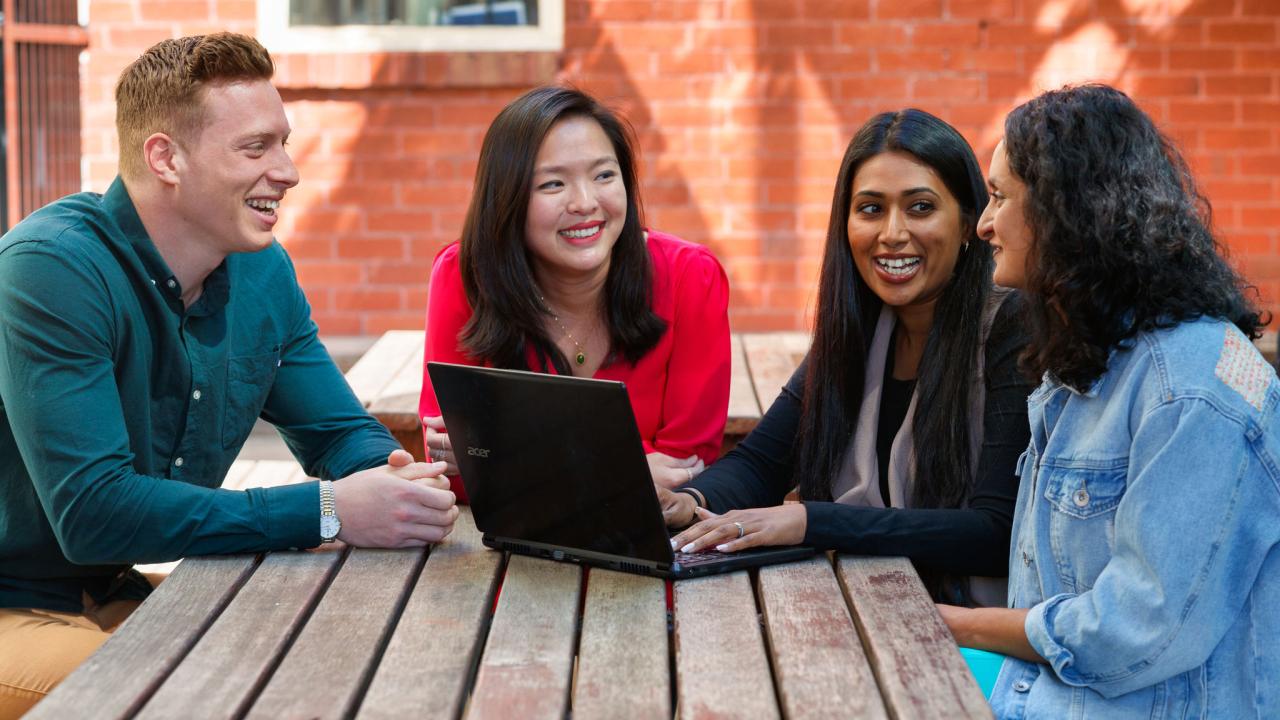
column 552, row 459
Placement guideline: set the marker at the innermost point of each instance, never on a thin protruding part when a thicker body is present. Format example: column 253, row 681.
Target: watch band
column 329, row 523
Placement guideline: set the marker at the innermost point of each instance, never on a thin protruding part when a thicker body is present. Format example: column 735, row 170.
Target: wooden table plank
column 117, row 679
column 429, row 664
column 329, row 666
column 236, row 474
column 744, row 408
column 721, row 667
column 222, row 675
column 915, row 659
column 771, row 360
column 387, row 379
column 396, row 404
column 818, row 660
column 270, row 473
column 528, row 660
column 381, row 362
column 623, row 669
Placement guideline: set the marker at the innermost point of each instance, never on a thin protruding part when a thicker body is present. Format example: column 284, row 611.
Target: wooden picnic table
column 459, row 630
column 388, row 379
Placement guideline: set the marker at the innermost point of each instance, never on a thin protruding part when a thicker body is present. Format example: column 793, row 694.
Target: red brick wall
column 743, row 108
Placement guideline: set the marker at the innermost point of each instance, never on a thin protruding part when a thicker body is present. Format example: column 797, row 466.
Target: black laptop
column 554, row 468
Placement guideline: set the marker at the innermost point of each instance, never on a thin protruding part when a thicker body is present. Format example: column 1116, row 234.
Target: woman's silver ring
column 741, row 530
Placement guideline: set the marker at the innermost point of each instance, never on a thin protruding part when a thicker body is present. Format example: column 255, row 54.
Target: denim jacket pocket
column 1082, row 520
column 1084, row 492
column 249, row 381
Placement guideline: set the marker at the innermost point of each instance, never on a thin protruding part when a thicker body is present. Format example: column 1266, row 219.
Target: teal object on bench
column 985, row 667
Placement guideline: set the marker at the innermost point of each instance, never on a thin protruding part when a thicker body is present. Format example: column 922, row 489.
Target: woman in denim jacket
column 1144, row 574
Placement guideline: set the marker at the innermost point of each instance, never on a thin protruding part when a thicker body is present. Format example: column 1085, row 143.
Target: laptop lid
column 552, row 460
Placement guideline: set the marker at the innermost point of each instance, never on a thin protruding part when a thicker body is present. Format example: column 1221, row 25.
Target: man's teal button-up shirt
column 121, row 410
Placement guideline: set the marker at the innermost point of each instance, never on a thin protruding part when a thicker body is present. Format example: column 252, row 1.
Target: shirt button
column 1021, row 686
column 171, row 283
column 178, row 462
column 1081, row 498
column 195, row 394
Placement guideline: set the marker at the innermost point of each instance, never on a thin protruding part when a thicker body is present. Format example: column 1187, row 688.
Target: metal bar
column 47, row 34
column 40, row 128
column 12, row 164
column 26, row 124
column 73, row 121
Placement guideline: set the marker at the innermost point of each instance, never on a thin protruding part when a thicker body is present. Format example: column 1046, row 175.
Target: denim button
column 1081, row 498
column 1021, row 686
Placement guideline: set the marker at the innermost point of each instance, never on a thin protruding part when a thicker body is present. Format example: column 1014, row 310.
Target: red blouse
column 679, row 390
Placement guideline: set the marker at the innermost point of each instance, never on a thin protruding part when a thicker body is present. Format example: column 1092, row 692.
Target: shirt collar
column 217, row 286
column 1049, row 384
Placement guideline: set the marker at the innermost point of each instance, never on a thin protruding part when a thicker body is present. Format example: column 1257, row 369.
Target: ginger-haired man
column 144, row 330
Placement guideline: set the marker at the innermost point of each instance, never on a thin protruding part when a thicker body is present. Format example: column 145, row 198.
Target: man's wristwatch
column 329, row 523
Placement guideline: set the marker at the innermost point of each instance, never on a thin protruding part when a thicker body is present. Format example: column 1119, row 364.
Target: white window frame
column 275, row 33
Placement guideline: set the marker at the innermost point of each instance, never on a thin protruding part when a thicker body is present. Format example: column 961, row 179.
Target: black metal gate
column 41, row 104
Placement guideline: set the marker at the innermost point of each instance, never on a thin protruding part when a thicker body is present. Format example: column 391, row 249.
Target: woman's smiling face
column 905, row 229
column 1004, row 225
column 578, row 203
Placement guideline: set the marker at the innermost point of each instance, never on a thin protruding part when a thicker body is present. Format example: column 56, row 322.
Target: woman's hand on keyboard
column 742, row 529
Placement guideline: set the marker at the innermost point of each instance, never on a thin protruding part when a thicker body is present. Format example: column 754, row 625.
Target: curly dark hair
column 1121, row 235
column 846, row 319
column 497, row 274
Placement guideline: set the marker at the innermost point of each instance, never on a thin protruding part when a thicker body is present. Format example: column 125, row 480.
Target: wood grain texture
column 429, row 663
column 117, row 679
column 223, row 673
column 328, row 668
column 381, row 362
column 771, row 359
column 722, row 670
column 744, row 407
column 272, row 473
column 236, row 474
column 818, row 660
column 528, row 659
column 916, row 661
column 623, row 669
column 396, row 405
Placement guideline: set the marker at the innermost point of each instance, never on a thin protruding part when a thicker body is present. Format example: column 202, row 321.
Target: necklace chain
column 581, row 357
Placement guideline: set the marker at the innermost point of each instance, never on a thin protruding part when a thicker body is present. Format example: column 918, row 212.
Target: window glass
column 330, row 13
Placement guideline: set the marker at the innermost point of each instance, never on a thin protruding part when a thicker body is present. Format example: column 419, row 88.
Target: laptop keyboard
column 687, row 559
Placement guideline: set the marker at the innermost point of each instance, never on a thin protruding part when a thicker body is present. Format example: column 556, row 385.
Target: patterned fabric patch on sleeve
column 1243, row 368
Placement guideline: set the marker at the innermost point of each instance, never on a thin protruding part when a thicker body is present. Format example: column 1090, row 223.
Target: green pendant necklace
column 581, row 357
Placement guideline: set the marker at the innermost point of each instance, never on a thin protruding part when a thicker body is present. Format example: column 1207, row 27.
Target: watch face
column 329, row 527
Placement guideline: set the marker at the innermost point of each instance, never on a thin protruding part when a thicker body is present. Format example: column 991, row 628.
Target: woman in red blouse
column 556, row 273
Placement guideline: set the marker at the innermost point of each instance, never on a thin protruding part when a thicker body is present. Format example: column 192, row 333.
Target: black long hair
column 846, row 318
column 497, row 275
column 1121, row 239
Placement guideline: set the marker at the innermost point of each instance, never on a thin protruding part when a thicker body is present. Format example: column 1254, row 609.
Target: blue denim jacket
column 1146, row 540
